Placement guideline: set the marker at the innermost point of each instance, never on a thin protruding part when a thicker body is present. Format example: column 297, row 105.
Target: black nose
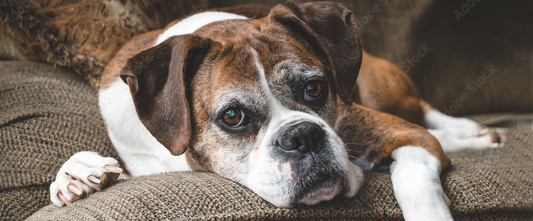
column 304, row 137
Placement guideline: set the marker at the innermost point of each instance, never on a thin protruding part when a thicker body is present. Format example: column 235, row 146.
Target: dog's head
column 255, row 100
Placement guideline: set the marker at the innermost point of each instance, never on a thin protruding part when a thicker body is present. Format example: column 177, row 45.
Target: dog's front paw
column 84, row 173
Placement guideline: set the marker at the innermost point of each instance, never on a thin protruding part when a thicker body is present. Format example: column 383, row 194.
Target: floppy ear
column 330, row 29
column 158, row 79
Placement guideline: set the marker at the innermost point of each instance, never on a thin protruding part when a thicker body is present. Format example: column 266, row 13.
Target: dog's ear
column 331, row 30
column 158, row 79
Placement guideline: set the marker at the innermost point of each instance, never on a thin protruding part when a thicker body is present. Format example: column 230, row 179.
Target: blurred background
column 468, row 57
column 476, row 57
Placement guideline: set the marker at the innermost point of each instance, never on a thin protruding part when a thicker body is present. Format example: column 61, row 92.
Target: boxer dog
column 274, row 104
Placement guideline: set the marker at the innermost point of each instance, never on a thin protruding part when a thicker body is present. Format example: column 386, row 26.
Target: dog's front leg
column 377, row 140
column 417, row 187
column 84, row 173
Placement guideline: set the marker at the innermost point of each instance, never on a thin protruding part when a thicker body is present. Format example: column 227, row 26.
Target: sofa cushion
column 46, row 115
column 84, row 35
column 483, row 185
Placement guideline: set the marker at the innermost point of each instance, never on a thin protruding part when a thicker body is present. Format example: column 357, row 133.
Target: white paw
column 438, row 120
column 455, row 134
column 464, row 123
column 457, row 139
column 84, row 173
column 417, row 186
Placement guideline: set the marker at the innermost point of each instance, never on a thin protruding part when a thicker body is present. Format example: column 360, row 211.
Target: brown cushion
column 84, row 35
column 46, row 115
column 483, row 185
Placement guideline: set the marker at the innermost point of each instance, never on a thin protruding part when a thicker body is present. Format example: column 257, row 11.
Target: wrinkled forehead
column 250, row 50
column 248, row 77
column 273, row 43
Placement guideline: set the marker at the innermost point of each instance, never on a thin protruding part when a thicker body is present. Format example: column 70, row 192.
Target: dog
column 284, row 105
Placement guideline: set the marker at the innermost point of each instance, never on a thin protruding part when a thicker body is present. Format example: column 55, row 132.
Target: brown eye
column 233, row 117
column 312, row 90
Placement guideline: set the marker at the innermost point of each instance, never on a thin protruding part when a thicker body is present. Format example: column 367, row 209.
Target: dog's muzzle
column 316, row 175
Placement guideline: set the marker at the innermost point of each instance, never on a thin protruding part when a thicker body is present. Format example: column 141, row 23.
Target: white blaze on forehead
column 278, row 112
column 265, row 176
column 275, row 106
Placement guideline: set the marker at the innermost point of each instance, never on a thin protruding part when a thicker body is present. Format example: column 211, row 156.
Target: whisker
column 354, row 143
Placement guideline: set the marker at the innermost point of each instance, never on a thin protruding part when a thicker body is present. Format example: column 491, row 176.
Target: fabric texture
column 466, row 57
column 483, row 185
column 84, row 35
column 46, row 115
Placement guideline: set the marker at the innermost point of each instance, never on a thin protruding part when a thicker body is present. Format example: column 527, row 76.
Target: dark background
column 497, row 34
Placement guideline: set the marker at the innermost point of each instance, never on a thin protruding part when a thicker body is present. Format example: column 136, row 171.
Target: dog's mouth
column 325, row 193
column 318, row 183
column 311, row 192
column 294, row 185
column 288, row 177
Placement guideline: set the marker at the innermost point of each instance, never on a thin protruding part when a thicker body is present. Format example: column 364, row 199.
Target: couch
column 479, row 65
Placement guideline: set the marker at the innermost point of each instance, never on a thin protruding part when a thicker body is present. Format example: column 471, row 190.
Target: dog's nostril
column 304, row 137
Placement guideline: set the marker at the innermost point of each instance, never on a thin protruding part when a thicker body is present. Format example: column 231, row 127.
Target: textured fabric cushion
column 46, row 115
column 84, row 35
column 451, row 74
column 483, row 185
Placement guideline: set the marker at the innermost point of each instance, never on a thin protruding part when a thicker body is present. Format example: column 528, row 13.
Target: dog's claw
column 64, row 199
column 74, row 189
column 483, row 132
column 113, row 169
column 83, row 173
column 94, row 180
column 498, row 135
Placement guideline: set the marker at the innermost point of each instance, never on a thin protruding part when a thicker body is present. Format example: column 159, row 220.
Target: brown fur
column 386, row 87
column 134, row 46
column 364, row 130
column 367, row 131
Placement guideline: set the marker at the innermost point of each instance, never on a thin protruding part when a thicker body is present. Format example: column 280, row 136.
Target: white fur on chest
column 140, row 151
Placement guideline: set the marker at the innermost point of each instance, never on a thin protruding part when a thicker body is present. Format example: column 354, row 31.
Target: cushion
column 483, row 185
column 46, row 115
column 84, row 35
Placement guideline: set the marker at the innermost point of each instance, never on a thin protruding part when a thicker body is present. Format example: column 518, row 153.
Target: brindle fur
column 364, row 130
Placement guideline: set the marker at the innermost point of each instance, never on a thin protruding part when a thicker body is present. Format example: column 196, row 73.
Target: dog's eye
column 233, row 117
column 313, row 90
